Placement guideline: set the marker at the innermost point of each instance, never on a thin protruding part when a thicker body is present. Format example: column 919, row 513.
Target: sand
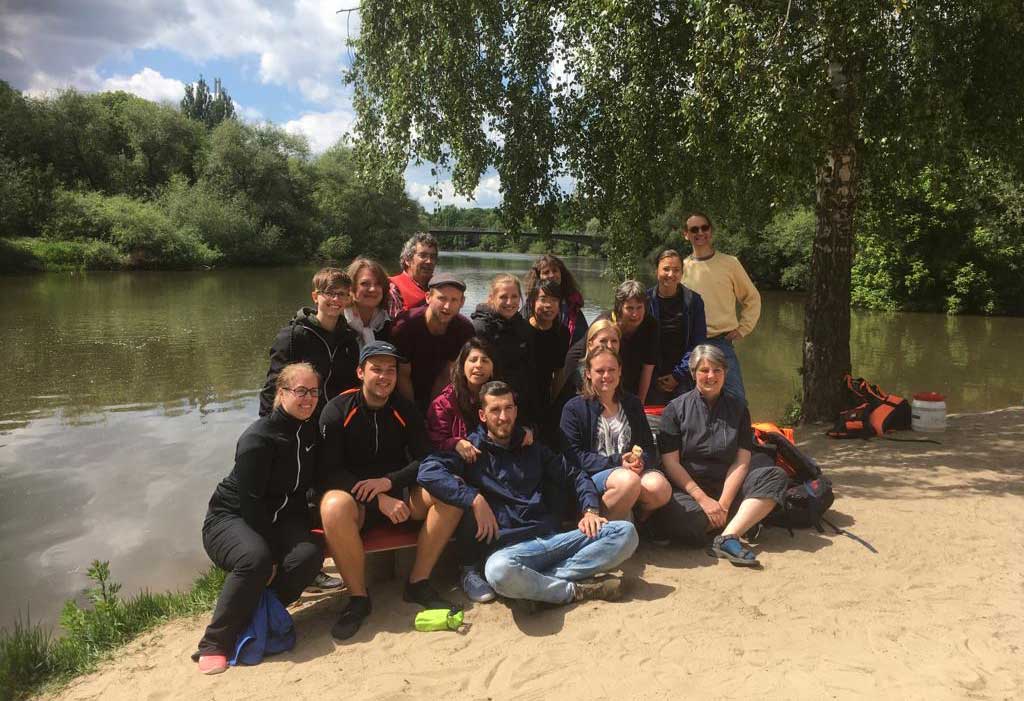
column 935, row 614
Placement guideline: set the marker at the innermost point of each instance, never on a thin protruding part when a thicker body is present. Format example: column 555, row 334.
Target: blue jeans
column 544, row 569
column 733, row 378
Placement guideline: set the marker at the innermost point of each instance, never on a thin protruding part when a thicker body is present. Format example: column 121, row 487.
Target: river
column 123, row 395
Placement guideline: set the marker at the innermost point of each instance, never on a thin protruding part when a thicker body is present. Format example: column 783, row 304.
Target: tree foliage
column 110, row 180
column 741, row 107
column 203, row 106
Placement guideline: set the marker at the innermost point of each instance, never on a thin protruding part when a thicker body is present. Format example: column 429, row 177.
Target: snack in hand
column 638, row 452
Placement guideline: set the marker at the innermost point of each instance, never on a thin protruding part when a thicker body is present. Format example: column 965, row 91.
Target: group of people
column 384, row 404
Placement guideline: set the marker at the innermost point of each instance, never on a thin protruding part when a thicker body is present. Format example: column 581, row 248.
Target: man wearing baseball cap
column 373, row 441
column 430, row 338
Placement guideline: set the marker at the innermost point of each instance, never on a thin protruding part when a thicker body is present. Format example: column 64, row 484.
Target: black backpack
column 805, row 505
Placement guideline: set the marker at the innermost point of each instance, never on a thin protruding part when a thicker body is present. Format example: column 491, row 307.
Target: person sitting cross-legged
column 373, row 440
column 506, row 489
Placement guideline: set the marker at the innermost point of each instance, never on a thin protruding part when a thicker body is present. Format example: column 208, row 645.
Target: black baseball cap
column 379, row 348
column 442, row 279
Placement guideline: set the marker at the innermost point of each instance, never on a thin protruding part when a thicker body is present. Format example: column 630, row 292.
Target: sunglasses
column 705, row 228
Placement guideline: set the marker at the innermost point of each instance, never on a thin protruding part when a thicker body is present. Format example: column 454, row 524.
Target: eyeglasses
column 303, row 392
column 705, row 228
column 334, row 294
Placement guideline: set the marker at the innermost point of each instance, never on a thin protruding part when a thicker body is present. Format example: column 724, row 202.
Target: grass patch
column 30, row 657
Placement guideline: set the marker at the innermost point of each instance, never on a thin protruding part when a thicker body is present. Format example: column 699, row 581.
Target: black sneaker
column 608, row 588
column 325, row 582
column 351, row 617
column 425, row 595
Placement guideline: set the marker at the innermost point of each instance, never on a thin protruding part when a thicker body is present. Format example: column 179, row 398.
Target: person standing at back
column 409, row 288
column 722, row 283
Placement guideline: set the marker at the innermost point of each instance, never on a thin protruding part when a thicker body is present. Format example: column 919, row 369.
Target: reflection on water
column 123, row 395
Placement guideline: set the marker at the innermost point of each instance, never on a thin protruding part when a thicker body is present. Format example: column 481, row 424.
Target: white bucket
column 928, row 412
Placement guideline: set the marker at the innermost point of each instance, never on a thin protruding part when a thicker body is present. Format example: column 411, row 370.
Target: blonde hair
column 287, row 374
column 599, row 326
column 502, row 279
column 587, row 390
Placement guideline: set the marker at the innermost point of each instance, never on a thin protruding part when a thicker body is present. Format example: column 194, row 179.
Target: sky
column 280, row 61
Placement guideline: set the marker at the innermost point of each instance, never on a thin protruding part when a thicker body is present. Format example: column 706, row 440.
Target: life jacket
column 872, row 411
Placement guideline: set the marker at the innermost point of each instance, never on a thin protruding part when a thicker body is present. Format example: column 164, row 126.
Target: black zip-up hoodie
column 334, row 356
column 358, row 442
column 513, row 343
column 275, row 463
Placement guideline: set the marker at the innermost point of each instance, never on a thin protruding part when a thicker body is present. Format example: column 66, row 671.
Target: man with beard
column 506, row 489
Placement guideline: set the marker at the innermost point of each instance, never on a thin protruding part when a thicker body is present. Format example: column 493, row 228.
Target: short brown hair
column 326, row 278
column 627, row 290
column 356, row 267
column 697, row 213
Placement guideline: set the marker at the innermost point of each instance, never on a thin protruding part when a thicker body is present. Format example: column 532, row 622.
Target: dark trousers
column 469, row 551
column 249, row 559
column 683, row 521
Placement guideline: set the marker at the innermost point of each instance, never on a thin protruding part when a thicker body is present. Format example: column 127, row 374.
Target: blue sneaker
column 476, row 587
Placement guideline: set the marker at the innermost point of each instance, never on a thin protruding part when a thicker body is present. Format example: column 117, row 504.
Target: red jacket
column 445, row 424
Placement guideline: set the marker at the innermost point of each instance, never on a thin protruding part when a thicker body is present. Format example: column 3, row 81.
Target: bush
column 74, row 255
column 336, row 248
column 229, row 225
column 138, row 231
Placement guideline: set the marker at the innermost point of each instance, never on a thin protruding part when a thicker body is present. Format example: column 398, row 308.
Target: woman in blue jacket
column 257, row 526
column 602, row 428
column 679, row 312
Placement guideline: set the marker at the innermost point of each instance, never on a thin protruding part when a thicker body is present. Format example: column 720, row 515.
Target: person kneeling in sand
column 257, row 527
column 505, row 489
column 373, row 440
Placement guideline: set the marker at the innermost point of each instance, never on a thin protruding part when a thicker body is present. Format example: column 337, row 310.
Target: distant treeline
column 112, row 181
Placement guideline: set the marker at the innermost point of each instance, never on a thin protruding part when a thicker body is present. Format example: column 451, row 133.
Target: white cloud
column 322, row 129
column 301, row 44
column 148, row 84
column 486, row 194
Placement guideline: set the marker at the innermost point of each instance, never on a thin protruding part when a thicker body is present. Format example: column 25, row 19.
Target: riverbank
column 936, row 613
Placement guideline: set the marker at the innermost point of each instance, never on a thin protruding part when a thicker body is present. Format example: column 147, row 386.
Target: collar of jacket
column 480, row 440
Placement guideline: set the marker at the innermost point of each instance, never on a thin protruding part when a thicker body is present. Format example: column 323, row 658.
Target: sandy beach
column 937, row 613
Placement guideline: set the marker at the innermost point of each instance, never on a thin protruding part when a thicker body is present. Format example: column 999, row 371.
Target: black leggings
column 249, row 559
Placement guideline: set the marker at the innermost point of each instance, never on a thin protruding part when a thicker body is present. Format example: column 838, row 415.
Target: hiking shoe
column 603, row 589
column 325, row 582
column 212, row 664
column 729, row 547
column 351, row 618
column 425, row 595
column 475, row 586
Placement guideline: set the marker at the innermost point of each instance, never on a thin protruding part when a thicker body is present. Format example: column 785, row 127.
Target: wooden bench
column 389, row 537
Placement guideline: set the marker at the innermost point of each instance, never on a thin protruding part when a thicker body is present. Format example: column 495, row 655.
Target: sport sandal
column 729, row 547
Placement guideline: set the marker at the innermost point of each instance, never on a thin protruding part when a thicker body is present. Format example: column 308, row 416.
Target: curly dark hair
column 568, row 283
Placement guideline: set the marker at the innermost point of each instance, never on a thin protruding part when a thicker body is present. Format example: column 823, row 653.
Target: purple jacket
column 445, row 424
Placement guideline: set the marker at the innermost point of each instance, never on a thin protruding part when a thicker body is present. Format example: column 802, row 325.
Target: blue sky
column 279, row 61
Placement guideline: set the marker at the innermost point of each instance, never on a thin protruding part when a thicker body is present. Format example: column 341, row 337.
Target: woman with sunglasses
column 257, row 527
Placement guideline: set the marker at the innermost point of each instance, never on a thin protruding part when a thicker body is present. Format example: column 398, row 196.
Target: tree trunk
column 826, row 353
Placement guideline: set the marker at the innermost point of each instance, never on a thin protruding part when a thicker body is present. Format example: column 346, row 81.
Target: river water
column 123, row 394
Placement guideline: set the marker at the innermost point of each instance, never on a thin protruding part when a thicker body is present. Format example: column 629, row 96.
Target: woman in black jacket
column 257, row 527
column 499, row 322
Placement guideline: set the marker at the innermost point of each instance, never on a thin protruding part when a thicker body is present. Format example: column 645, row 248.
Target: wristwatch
column 592, row 510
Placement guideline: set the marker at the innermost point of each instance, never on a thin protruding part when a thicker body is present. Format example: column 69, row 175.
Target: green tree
column 354, row 217
column 203, row 106
column 741, row 106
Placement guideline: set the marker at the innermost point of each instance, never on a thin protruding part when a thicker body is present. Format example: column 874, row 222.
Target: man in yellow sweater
column 723, row 284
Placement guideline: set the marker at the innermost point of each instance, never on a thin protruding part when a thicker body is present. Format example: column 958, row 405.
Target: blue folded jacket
column 271, row 631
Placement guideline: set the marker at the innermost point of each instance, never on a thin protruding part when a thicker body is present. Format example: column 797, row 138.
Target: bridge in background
column 470, row 236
